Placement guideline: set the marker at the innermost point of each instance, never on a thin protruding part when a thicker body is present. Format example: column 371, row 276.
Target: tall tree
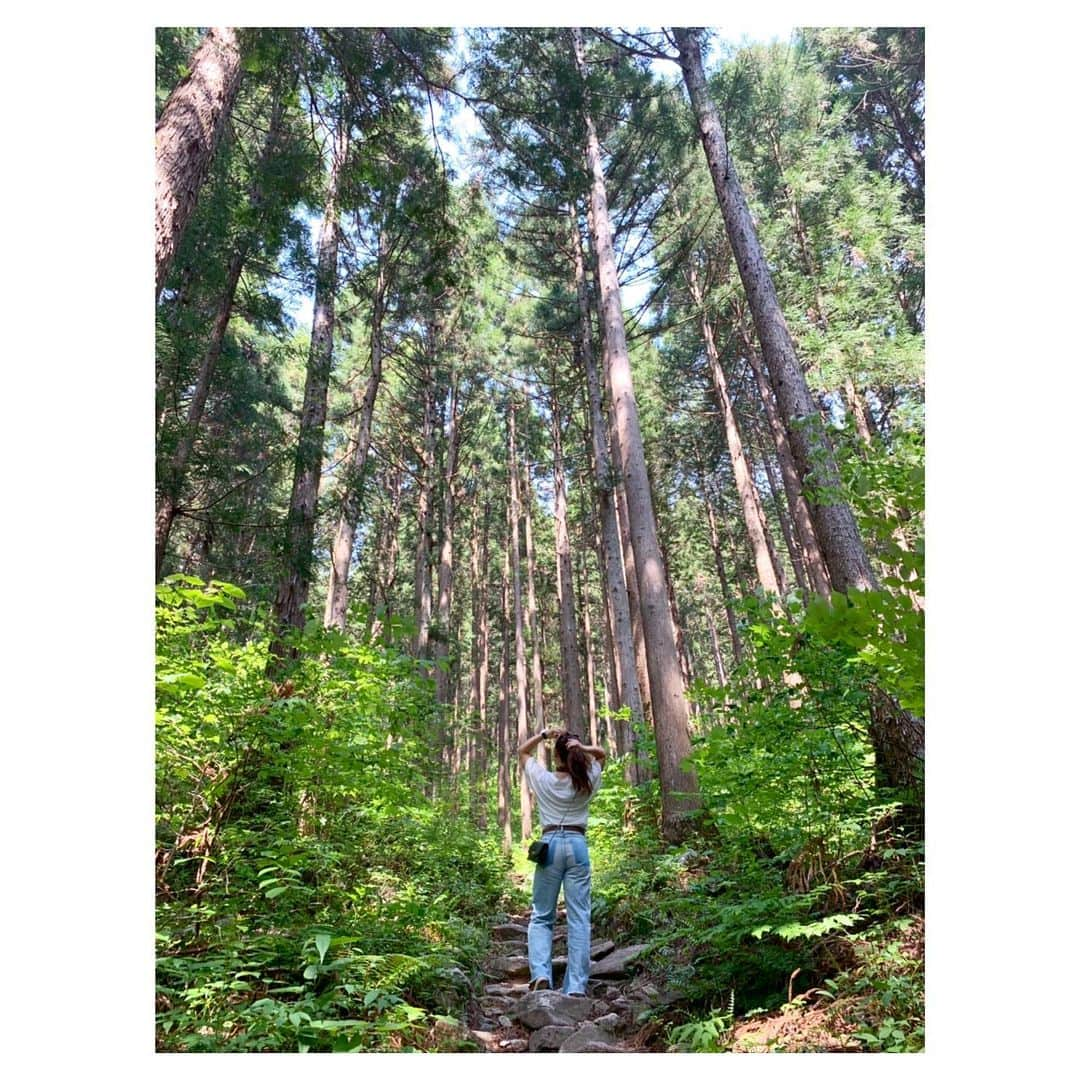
column 187, row 134
column 669, row 706
column 849, row 567
column 300, row 527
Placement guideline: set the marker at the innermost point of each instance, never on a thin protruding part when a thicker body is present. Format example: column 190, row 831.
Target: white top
column 559, row 803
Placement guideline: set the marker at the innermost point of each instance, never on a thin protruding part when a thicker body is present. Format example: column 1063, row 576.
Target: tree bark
column 753, row 515
column 186, row 136
column 729, row 607
column 519, row 621
column 590, row 665
column 422, row 571
column 573, row 711
column 615, row 576
column 169, row 501
column 534, row 631
column 480, row 618
column 352, row 484
column 177, row 469
column 849, row 567
column 446, row 551
column 800, row 511
column 300, row 526
column 678, row 783
column 503, row 743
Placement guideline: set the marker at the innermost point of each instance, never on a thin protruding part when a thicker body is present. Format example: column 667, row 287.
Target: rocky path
column 509, row 1018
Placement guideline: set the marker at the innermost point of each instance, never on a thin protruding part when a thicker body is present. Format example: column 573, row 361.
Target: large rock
column 546, row 1039
column 508, row 966
column 543, row 1008
column 586, row 1034
column 615, row 965
column 509, row 932
column 609, row 1022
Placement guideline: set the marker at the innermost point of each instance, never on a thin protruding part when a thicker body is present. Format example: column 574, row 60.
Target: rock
column 587, row 1033
column 615, row 965
column 596, row 1048
column 509, row 932
column 541, row 1008
column 508, row 966
column 609, row 1022
column 506, row 988
column 484, row 1038
column 514, row 1045
column 601, row 948
column 504, row 1021
column 496, row 1003
column 549, row 1038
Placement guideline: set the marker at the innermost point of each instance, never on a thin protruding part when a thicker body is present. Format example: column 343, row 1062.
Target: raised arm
column 527, row 747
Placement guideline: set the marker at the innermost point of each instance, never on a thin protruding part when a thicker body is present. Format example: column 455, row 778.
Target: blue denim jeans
column 567, row 865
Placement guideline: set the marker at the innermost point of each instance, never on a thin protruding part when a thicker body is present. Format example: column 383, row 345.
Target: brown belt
column 569, row 828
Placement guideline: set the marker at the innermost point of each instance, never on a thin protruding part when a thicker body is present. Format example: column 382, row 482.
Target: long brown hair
column 576, row 760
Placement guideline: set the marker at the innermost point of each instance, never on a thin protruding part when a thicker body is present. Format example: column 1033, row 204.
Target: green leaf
column 322, row 943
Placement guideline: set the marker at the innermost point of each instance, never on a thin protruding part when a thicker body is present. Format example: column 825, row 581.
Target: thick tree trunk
column 300, row 527
column 800, row 511
column 615, row 577
column 352, row 483
column 573, row 711
column 678, row 784
column 186, row 137
column 174, row 479
column 849, row 567
column 446, row 551
column 519, row 621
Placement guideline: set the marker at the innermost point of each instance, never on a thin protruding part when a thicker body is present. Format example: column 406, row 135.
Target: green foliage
column 312, row 894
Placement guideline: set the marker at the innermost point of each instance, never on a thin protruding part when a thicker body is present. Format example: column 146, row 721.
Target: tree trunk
column 794, row 551
column 352, row 484
column 753, row 516
column 186, row 136
column 503, row 745
column 714, row 639
column 678, row 783
column 480, row 643
column 422, row 571
column 800, row 511
column 300, row 526
column 519, row 622
column 841, row 543
column 174, row 479
column 169, row 501
column 573, row 711
column 534, row 632
column 590, row 665
column 446, row 552
column 616, row 578
column 729, row 607
column 384, row 570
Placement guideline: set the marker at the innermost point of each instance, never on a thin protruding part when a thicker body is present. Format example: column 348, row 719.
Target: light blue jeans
column 567, row 865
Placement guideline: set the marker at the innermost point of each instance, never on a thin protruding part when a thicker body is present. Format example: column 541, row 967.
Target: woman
column 563, row 798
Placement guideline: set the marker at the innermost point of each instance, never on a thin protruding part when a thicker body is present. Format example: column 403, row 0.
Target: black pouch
column 538, row 850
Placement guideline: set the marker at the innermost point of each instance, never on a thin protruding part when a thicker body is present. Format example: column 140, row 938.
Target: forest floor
column 618, row 1015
